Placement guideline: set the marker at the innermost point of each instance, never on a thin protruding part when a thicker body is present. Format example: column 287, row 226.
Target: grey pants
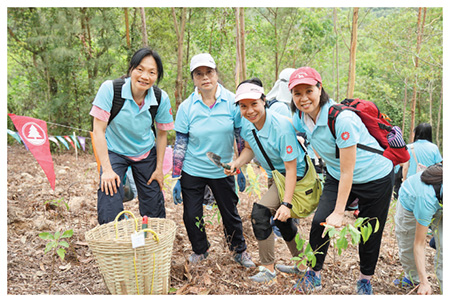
column 405, row 230
column 267, row 246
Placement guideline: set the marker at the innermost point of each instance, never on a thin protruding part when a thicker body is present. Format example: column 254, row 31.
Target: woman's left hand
column 283, row 213
column 335, row 219
column 159, row 177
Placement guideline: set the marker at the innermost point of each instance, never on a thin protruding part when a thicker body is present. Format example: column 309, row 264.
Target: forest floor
column 30, row 269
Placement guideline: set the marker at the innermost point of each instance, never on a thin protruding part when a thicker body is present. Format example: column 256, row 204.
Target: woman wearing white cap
column 277, row 137
column 205, row 122
column 357, row 173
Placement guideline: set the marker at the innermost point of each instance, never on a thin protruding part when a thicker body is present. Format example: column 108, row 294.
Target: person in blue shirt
column 206, row 122
column 418, row 208
column 277, row 138
column 279, row 97
column 128, row 140
column 425, row 151
column 357, row 173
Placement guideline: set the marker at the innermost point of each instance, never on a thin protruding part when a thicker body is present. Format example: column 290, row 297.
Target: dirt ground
column 30, row 270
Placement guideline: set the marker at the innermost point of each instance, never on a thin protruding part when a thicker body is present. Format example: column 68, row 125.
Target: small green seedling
column 56, row 243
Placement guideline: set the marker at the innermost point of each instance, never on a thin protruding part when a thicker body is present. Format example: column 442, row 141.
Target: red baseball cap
column 304, row 75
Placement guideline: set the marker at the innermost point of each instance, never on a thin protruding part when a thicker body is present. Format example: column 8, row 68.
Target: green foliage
column 58, row 203
column 349, row 234
column 56, row 243
column 59, row 56
column 209, row 218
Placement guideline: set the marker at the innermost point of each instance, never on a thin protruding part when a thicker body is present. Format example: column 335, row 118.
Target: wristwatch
column 289, row 205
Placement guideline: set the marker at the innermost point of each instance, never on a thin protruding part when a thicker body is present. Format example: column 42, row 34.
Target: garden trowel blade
column 215, row 159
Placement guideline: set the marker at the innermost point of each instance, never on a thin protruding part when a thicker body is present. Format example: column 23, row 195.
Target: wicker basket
column 125, row 270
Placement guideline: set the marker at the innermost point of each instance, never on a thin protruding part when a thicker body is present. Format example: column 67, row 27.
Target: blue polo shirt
column 209, row 130
column 130, row 132
column 350, row 130
column 427, row 154
column 278, row 139
column 419, row 198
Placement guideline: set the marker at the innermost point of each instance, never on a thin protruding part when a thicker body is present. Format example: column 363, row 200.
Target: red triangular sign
column 34, row 132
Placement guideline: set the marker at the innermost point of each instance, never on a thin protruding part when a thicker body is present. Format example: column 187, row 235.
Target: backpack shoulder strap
column 269, row 162
column 118, row 101
column 154, row 109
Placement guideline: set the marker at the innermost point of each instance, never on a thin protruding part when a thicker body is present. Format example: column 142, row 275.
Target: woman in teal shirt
column 419, row 207
column 277, row 137
column 357, row 173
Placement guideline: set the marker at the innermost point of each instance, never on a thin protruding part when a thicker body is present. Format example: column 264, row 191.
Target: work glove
column 241, row 181
column 176, row 193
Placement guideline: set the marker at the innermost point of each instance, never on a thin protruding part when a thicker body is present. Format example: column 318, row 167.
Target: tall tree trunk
column 242, row 42
column 237, row 72
column 430, row 93
column 405, row 102
column 337, row 53
column 416, row 68
column 352, row 61
column 127, row 28
column 143, row 28
column 179, row 29
column 438, row 126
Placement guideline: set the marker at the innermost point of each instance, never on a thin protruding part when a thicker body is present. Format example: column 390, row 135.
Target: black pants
column 374, row 199
column 223, row 189
column 151, row 199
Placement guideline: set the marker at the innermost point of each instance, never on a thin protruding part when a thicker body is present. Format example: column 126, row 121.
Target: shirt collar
column 149, row 100
column 265, row 130
column 323, row 116
column 198, row 96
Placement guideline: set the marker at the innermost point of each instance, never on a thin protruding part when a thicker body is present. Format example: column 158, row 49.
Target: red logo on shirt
column 170, row 110
column 289, row 149
column 345, row 136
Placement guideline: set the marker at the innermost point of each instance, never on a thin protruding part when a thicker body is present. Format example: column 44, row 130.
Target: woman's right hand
column 424, row 289
column 109, row 182
column 232, row 171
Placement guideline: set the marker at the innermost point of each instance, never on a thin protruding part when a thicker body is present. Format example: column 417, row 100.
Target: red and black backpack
column 389, row 137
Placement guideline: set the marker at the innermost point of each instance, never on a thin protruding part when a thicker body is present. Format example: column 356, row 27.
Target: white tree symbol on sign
column 34, row 134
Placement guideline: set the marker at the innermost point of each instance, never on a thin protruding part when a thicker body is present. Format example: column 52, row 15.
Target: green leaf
column 63, row 243
column 46, row 236
column 57, row 235
column 341, row 244
column 359, row 222
column 67, row 234
column 61, row 253
column 300, row 242
column 377, row 225
column 366, row 231
column 356, row 235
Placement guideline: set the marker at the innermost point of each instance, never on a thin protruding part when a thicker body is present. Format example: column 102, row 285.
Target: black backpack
column 118, row 101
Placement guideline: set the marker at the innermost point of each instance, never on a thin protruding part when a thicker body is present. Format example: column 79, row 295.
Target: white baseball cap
column 248, row 91
column 203, row 59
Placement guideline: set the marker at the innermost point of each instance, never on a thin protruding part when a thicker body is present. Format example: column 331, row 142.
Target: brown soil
column 30, row 270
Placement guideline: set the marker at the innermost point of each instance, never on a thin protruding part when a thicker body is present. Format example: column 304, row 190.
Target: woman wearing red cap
column 357, row 173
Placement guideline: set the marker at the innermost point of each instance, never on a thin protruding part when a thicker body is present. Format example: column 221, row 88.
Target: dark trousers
column 374, row 199
column 151, row 199
column 223, row 189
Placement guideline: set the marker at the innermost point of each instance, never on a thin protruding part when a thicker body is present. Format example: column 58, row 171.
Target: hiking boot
column 404, row 283
column 244, row 259
column 264, row 276
column 363, row 287
column 197, row 258
column 290, row 269
column 309, row 283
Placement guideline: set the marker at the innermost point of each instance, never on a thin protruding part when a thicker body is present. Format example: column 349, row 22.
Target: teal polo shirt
column 427, row 154
column 278, row 139
column 350, row 130
column 209, row 130
column 130, row 132
column 419, row 198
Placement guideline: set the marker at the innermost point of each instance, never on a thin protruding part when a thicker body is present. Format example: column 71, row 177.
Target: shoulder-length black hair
column 423, row 131
column 322, row 101
column 139, row 55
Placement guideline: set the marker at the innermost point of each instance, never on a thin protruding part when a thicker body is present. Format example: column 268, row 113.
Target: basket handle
column 155, row 236
column 117, row 218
